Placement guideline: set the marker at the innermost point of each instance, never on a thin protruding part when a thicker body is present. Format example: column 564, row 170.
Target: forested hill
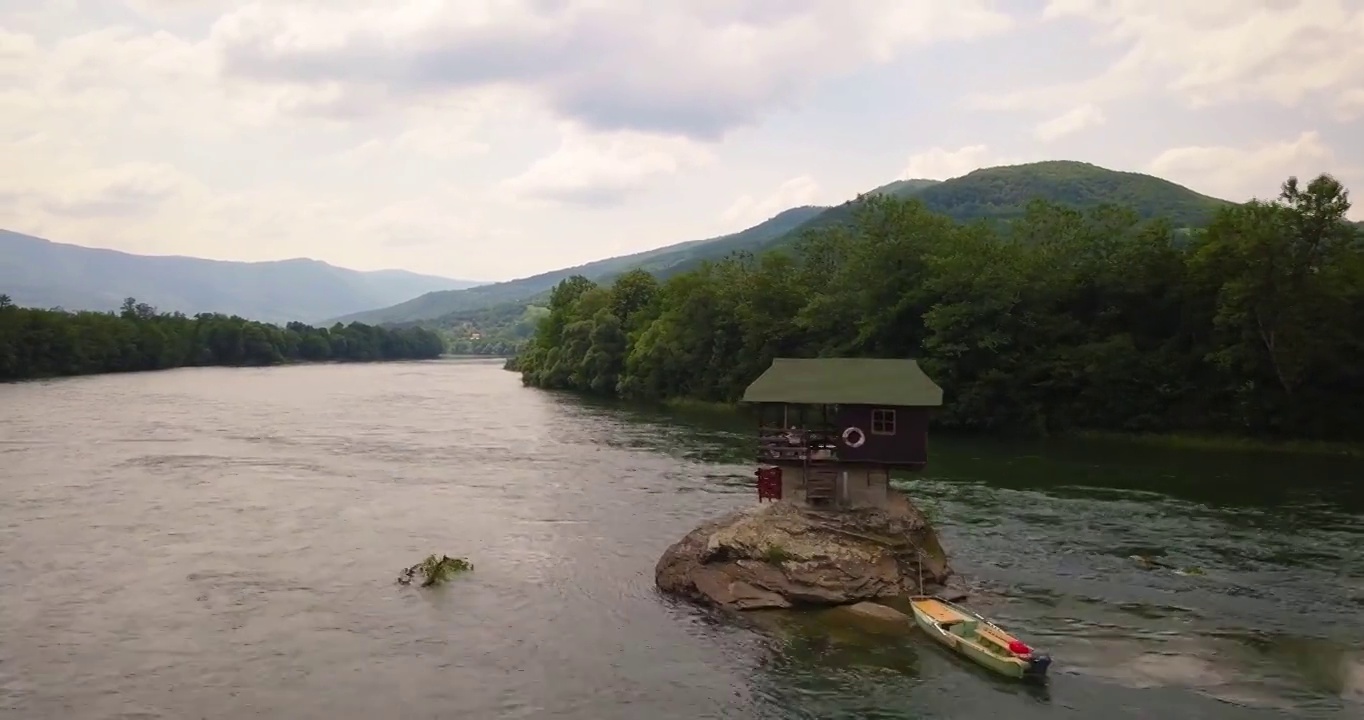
column 38, row 343
column 999, row 193
column 1003, row 193
column 41, row 273
column 1058, row 320
column 437, row 304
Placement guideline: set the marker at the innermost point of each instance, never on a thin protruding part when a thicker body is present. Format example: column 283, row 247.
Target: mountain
column 1003, row 193
column 42, row 273
column 901, row 188
column 997, row 193
column 660, row 261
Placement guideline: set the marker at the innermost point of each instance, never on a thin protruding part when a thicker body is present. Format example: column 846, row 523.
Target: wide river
column 219, row 543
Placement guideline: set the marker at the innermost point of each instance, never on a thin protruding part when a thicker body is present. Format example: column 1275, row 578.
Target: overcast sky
column 492, row 139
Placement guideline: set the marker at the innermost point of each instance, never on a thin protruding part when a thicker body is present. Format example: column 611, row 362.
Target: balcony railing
column 784, row 445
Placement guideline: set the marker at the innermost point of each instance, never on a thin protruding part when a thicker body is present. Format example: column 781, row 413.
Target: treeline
column 47, row 343
column 491, row 347
column 1059, row 320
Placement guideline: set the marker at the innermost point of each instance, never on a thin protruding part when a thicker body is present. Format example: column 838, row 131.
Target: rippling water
column 216, row 543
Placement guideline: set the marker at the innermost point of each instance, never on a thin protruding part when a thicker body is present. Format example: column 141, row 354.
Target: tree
column 45, row 343
column 1060, row 318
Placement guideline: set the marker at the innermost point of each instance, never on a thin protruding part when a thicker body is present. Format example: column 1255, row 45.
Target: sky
column 495, row 139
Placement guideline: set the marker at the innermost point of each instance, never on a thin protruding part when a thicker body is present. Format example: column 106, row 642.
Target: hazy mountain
column 42, row 273
column 660, row 261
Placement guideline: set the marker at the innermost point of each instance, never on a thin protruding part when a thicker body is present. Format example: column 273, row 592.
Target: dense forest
column 996, row 194
column 1058, row 320
column 497, row 331
column 45, row 343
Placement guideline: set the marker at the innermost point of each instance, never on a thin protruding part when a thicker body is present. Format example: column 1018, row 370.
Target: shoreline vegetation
column 37, row 343
column 1215, row 443
column 1061, row 322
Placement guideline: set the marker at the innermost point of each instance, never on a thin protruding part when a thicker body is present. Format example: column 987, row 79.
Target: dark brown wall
column 908, row 446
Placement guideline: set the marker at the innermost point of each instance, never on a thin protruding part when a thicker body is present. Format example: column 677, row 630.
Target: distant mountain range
column 41, row 273
column 662, row 261
column 992, row 194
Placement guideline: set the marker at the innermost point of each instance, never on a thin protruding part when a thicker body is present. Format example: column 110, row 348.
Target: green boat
column 978, row 639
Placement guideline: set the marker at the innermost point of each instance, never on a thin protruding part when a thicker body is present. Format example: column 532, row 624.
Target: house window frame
column 878, row 420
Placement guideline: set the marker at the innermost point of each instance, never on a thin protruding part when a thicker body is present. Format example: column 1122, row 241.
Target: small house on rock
column 831, row 430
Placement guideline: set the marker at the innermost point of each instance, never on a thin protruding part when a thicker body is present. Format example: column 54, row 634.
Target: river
column 223, row 543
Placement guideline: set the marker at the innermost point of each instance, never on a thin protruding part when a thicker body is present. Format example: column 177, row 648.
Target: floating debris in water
column 435, row 570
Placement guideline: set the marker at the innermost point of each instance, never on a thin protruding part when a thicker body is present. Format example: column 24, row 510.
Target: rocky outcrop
column 782, row 555
column 877, row 611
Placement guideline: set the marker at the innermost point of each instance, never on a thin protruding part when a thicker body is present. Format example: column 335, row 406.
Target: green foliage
column 1060, row 320
column 444, row 304
column 1005, row 192
column 1000, row 194
column 775, row 554
column 499, row 331
column 435, row 570
column 45, row 343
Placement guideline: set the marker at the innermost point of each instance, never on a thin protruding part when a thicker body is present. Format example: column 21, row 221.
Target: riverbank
column 37, row 343
column 1113, row 323
column 1225, row 443
column 280, row 364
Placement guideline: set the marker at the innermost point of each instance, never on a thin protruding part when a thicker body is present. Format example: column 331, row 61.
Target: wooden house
column 831, row 430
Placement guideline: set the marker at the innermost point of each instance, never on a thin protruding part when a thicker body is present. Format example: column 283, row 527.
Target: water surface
column 222, row 543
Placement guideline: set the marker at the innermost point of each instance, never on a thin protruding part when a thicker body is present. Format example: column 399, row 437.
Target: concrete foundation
column 856, row 487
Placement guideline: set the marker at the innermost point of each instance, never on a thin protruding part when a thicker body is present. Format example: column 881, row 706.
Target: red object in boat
column 1018, row 648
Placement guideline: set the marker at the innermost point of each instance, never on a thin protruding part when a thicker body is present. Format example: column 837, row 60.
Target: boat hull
column 931, row 612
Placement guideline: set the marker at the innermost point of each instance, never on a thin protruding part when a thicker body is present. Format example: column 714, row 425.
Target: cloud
column 124, row 191
column 670, row 66
column 1214, row 52
column 602, row 169
column 796, row 192
column 482, row 138
column 1070, row 122
column 444, row 132
column 1242, row 173
column 942, row 164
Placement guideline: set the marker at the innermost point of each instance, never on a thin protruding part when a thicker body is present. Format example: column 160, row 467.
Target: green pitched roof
column 845, row 381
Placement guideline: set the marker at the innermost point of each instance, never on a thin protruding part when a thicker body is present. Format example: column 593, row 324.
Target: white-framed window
column 882, row 422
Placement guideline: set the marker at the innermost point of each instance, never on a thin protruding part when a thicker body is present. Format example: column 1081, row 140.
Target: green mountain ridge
column 41, row 273
column 996, row 194
column 664, row 260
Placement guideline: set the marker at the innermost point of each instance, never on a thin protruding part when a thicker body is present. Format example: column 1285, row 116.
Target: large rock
column 781, row 555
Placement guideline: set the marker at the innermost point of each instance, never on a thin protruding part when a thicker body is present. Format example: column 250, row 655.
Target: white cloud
column 1070, row 122
column 430, row 133
column 942, row 164
column 251, row 130
column 1242, row 173
column 1350, row 105
column 124, row 191
column 673, row 66
column 748, row 210
column 600, row 169
column 1216, row 51
column 446, row 131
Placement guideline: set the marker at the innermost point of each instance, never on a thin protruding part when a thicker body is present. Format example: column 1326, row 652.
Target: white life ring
column 861, row 437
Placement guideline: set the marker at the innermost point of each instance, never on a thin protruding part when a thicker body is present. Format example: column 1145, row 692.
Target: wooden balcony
column 776, row 445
